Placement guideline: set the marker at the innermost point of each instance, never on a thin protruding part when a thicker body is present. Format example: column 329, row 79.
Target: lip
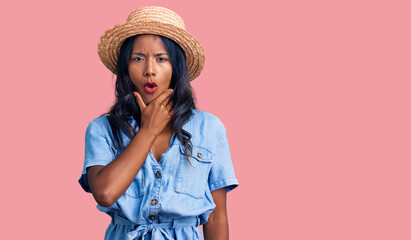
column 152, row 89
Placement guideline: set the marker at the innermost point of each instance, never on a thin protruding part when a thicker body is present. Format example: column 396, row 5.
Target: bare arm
column 108, row 183
column 216, row 228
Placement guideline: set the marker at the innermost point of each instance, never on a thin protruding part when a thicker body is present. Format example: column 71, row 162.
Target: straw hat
column 151, row 20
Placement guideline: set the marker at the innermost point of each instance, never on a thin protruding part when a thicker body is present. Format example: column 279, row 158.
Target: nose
column 150, row 69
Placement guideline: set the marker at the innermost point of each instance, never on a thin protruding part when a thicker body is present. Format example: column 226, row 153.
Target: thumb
column 140, row 101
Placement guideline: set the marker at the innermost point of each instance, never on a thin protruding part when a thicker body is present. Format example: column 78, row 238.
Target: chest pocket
column 136, row 188
column 192, row 179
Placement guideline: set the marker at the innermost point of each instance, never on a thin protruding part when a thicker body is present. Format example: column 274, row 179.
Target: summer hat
column 151, row 20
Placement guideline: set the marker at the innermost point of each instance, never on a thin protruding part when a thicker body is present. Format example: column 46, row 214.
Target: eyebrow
column 141, row 54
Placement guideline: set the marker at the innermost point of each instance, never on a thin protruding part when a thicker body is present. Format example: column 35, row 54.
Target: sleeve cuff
column 230, row 183
column 83, row 178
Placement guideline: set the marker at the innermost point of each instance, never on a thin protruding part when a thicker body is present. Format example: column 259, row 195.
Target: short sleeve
column 222, row 171
column 97, row 150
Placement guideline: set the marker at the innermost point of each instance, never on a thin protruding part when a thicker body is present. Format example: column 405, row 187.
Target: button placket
column 154, row 207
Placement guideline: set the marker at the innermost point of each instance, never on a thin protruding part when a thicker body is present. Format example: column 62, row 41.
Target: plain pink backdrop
column 315, row 96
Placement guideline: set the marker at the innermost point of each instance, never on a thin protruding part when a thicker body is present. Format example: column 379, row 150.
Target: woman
column 157, row 165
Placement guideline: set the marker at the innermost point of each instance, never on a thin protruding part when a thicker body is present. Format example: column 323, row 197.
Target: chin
column 149, row 99
column 147, row 102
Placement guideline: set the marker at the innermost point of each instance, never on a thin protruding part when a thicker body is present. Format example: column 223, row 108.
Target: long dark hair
column 126, row 106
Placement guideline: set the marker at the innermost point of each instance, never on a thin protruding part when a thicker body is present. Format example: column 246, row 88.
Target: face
column 149, row 67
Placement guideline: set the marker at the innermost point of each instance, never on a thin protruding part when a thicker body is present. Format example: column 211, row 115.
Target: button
column 158, row 174
column 152, row 217
column 154, row 202
column 199, row 155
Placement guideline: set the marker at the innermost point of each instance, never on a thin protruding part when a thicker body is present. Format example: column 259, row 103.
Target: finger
column 140, row 101
column 163, row 96
column 166, row 101
column 169, row 105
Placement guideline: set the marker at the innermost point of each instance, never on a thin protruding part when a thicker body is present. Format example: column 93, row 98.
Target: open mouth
column 150, row 87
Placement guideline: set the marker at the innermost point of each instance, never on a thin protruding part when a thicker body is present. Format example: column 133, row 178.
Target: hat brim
column 111, row 41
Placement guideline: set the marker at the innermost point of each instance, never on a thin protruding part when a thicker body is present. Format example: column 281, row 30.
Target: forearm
column 114, row 179
column 216, row 229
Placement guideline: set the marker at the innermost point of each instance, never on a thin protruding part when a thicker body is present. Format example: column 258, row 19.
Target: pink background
column 315, row 96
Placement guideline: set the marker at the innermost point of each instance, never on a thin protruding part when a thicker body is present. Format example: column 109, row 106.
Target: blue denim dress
column 167, row 199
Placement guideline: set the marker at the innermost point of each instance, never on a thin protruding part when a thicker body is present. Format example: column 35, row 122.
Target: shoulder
column 101, row 120
column 207, row 119
column 206, row 127
column 99, row 125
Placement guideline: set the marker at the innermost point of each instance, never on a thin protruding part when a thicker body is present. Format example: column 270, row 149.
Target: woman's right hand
column 108, row 183
column 156, row 116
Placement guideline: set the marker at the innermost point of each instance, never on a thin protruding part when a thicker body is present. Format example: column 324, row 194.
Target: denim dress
column 167, row 199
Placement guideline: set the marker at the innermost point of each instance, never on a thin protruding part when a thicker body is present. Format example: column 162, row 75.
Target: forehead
column 148, row 43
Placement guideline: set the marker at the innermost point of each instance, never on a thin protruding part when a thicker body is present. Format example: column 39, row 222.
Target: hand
column 156, row 116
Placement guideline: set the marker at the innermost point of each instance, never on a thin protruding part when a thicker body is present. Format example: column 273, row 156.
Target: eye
column 138, row 59
column 162, row 59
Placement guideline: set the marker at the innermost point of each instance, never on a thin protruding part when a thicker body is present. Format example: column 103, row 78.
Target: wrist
column 148, row 134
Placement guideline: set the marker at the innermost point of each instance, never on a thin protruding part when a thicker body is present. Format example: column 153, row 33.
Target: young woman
column 156, row 164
